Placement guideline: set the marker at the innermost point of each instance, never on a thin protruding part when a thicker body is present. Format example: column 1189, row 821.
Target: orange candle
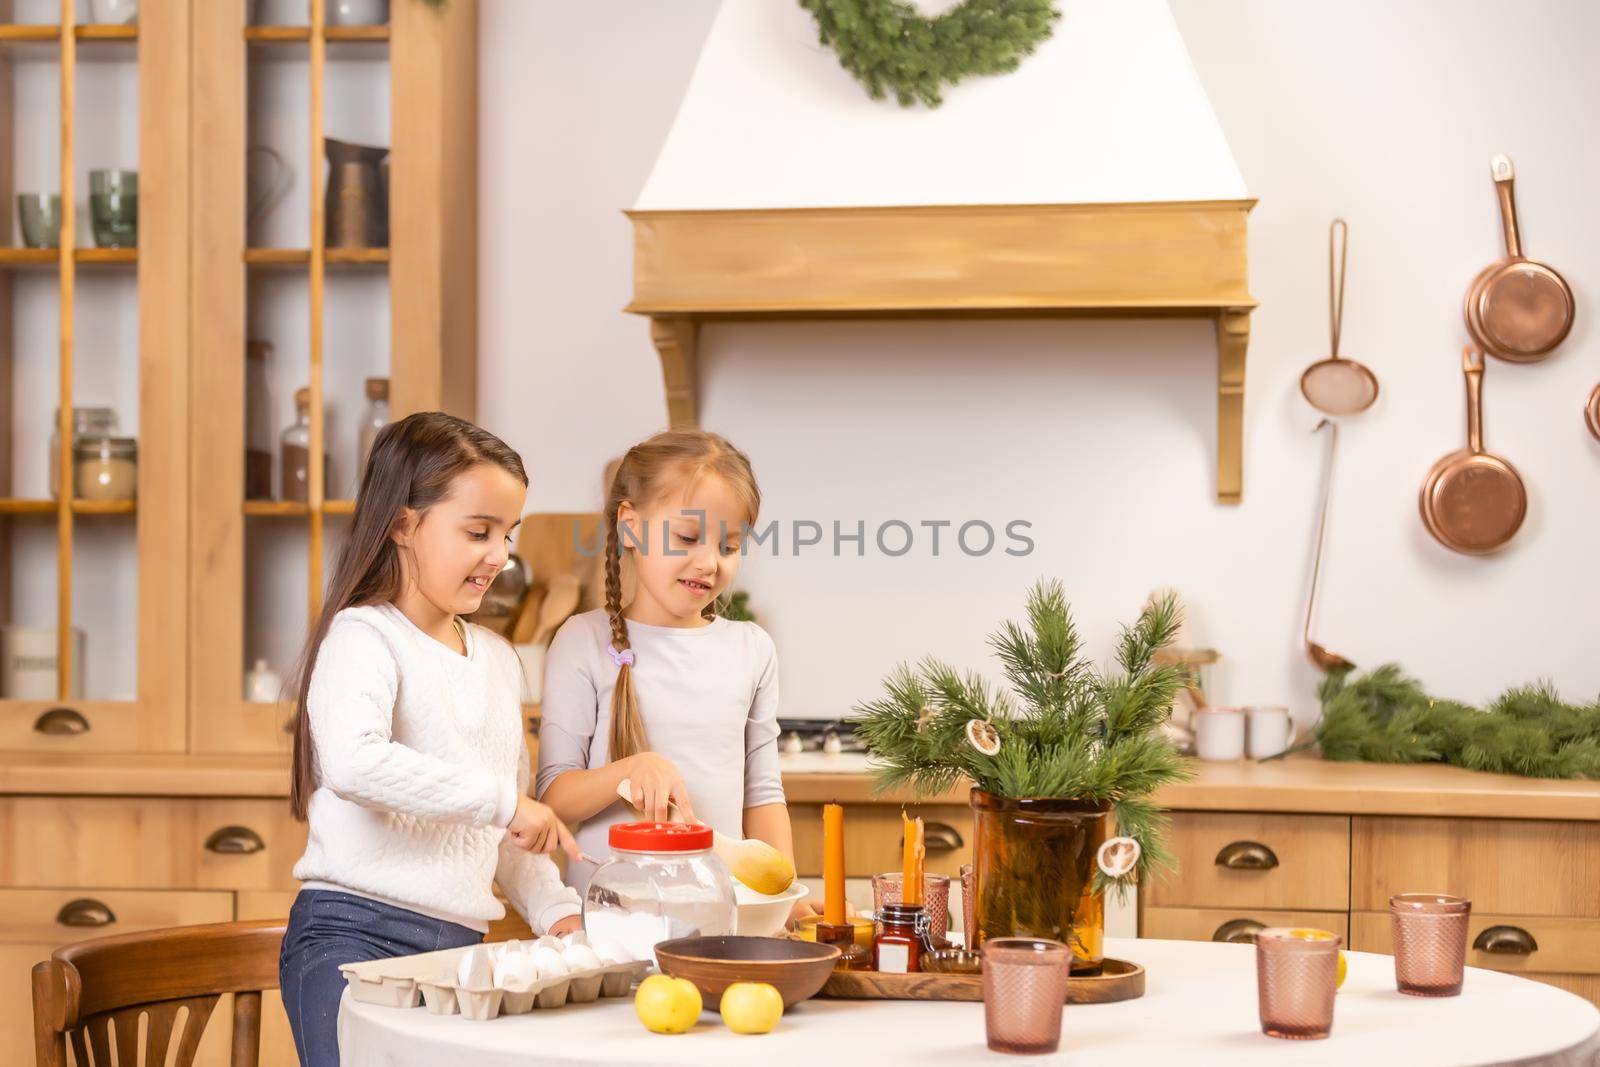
column 833, row 910
column 911, row 868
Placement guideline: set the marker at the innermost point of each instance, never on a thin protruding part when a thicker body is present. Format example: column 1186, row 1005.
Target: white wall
column 1102, row 433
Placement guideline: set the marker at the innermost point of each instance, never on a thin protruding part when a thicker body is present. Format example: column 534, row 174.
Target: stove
column 829, row 736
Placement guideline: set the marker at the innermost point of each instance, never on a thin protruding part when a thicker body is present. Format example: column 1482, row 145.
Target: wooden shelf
column 90, row 31
column 1184, row 258
column 299, row 34
column 94, row 31
column 46, row 258
column 15, row 506
column 290, row 509
column 295, row 258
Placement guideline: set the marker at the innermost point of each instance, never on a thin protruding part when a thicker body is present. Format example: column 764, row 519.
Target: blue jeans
column 328, row 929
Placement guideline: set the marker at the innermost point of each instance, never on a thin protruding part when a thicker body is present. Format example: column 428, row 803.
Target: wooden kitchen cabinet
column 1249, row 860
column 1562, row 951
column 873, row 837
column 1232, row 924
column 36, row 922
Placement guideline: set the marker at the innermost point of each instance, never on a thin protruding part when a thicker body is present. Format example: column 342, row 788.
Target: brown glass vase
column 1033, row 867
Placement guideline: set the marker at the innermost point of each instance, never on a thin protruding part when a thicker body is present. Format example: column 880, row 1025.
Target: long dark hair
column 412, row 465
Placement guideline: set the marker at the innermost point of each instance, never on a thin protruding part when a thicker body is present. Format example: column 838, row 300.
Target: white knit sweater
column 420, row 758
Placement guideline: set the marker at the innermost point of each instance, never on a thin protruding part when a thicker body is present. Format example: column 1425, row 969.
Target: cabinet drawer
column 1232, row 860
column 872, row 838
column 1505, row 866
column 30, row 929
column 1222, row 924
column 71, row 726
column 148, row 843
column 1559, row 945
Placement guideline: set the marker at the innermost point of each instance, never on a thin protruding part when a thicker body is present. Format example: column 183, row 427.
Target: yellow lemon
column 1339, row 982
column 667, row 1005
column 751, row 1007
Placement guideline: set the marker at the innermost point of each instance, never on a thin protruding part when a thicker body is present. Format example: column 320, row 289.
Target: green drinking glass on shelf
column 114, row 207
column 40, row 215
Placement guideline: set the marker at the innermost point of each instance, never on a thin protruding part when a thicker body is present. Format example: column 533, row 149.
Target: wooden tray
column 1118, row 980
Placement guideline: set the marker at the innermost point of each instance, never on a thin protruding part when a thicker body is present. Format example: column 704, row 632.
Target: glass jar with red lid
column 662, row 882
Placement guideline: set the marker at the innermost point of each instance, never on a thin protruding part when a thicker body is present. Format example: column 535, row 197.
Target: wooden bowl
column 796, row 969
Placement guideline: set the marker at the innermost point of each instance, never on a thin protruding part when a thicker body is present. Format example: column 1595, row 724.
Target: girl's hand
column 535, row 828
column 656, row 782
column 803, row 908
column 566, row 926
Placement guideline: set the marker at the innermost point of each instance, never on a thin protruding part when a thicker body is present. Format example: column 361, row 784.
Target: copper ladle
column 1336, row 385
column 1325, row 661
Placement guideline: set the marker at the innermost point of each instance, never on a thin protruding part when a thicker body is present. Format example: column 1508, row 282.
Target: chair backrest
column 94, row 992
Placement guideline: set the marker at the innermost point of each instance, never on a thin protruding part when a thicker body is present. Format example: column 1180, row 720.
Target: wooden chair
column 94, row 992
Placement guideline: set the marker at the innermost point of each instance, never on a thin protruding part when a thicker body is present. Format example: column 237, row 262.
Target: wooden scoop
column 753, row 862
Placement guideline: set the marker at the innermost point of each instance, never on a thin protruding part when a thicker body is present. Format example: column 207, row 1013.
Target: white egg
column 505, row 948
column 476, row 970
column 550, row 963
column 515, row 970
column 609, row 950
column 583, row 958
column 577, row 937
column 554, row 944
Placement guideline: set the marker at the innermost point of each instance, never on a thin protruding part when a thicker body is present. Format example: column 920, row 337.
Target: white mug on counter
column 1218, row 733
column 1270, row 728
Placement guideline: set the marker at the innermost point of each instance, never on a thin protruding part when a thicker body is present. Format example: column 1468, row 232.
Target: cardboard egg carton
column 430, row 978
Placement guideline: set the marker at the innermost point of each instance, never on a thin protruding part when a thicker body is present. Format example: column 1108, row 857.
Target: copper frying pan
column 1517, row 308
column 1591, row 412
column 1473, row 501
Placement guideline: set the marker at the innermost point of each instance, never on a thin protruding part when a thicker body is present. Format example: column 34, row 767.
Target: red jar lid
column 660, row 837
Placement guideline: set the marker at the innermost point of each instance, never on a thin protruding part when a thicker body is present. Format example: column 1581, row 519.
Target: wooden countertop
column 1294, row 785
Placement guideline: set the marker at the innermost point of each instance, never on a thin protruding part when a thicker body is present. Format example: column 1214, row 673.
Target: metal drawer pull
column 1506, row 941
column 235, row 841
column 1238, row 931
column 938, row 837
column 1247, row 856
column 85, row 911
column 62, row 722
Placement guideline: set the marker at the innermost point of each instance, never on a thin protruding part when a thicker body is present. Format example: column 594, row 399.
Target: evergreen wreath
column 1386, row 717
column 888, row 45
column 1064, row 730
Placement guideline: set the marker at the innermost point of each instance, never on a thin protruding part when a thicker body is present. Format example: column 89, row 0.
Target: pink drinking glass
column 1430, row 942
column 1296, row 976
column 1024, row 988
column 935, row 898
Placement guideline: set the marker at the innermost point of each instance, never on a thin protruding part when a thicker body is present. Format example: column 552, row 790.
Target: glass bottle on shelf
column 86, row 422
column 105, row 468
column 375, row 418
column 257, row 422
column 296, row 453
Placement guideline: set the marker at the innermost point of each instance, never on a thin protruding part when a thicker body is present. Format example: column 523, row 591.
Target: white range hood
column 1095, row 179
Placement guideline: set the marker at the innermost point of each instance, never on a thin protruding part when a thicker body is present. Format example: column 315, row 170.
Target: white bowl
column 761, row 915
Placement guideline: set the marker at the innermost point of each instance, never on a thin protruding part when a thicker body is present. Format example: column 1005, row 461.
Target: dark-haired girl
column 409, row 759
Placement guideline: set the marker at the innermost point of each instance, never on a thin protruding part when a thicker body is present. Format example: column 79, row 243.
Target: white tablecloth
column 1199, row 1007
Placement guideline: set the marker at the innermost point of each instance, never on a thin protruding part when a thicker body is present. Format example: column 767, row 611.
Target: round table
column 1199, row 1007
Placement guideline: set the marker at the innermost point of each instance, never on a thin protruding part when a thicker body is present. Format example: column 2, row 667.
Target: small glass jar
column 105, row 468
column 86, row 422
column 899, row 945
column 663, row 882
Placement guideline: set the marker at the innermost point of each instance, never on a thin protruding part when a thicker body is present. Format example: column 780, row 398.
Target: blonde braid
column 627, row 736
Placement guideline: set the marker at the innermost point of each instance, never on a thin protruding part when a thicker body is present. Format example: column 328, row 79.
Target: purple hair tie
column 620, row 658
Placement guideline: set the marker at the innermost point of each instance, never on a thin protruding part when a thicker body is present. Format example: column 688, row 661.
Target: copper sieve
column 1473, row 500
column 1338, row 386
column 1517, row 308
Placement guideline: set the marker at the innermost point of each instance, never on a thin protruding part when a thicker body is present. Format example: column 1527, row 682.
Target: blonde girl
column 660, row 690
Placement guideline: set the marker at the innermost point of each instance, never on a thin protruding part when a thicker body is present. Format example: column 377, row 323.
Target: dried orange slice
column 1118, row 856
column 982, row 736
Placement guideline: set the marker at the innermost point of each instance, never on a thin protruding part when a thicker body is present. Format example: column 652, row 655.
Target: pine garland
column 1066, row 730
column 1387, row 717
column 887, row 45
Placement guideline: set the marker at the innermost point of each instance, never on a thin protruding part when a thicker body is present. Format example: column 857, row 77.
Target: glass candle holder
column 1296, row 977
column 114, row 207
column 887, row 889
column 1024, row 989
column 40, row 215
column 969, row 886
column 1430, row 942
